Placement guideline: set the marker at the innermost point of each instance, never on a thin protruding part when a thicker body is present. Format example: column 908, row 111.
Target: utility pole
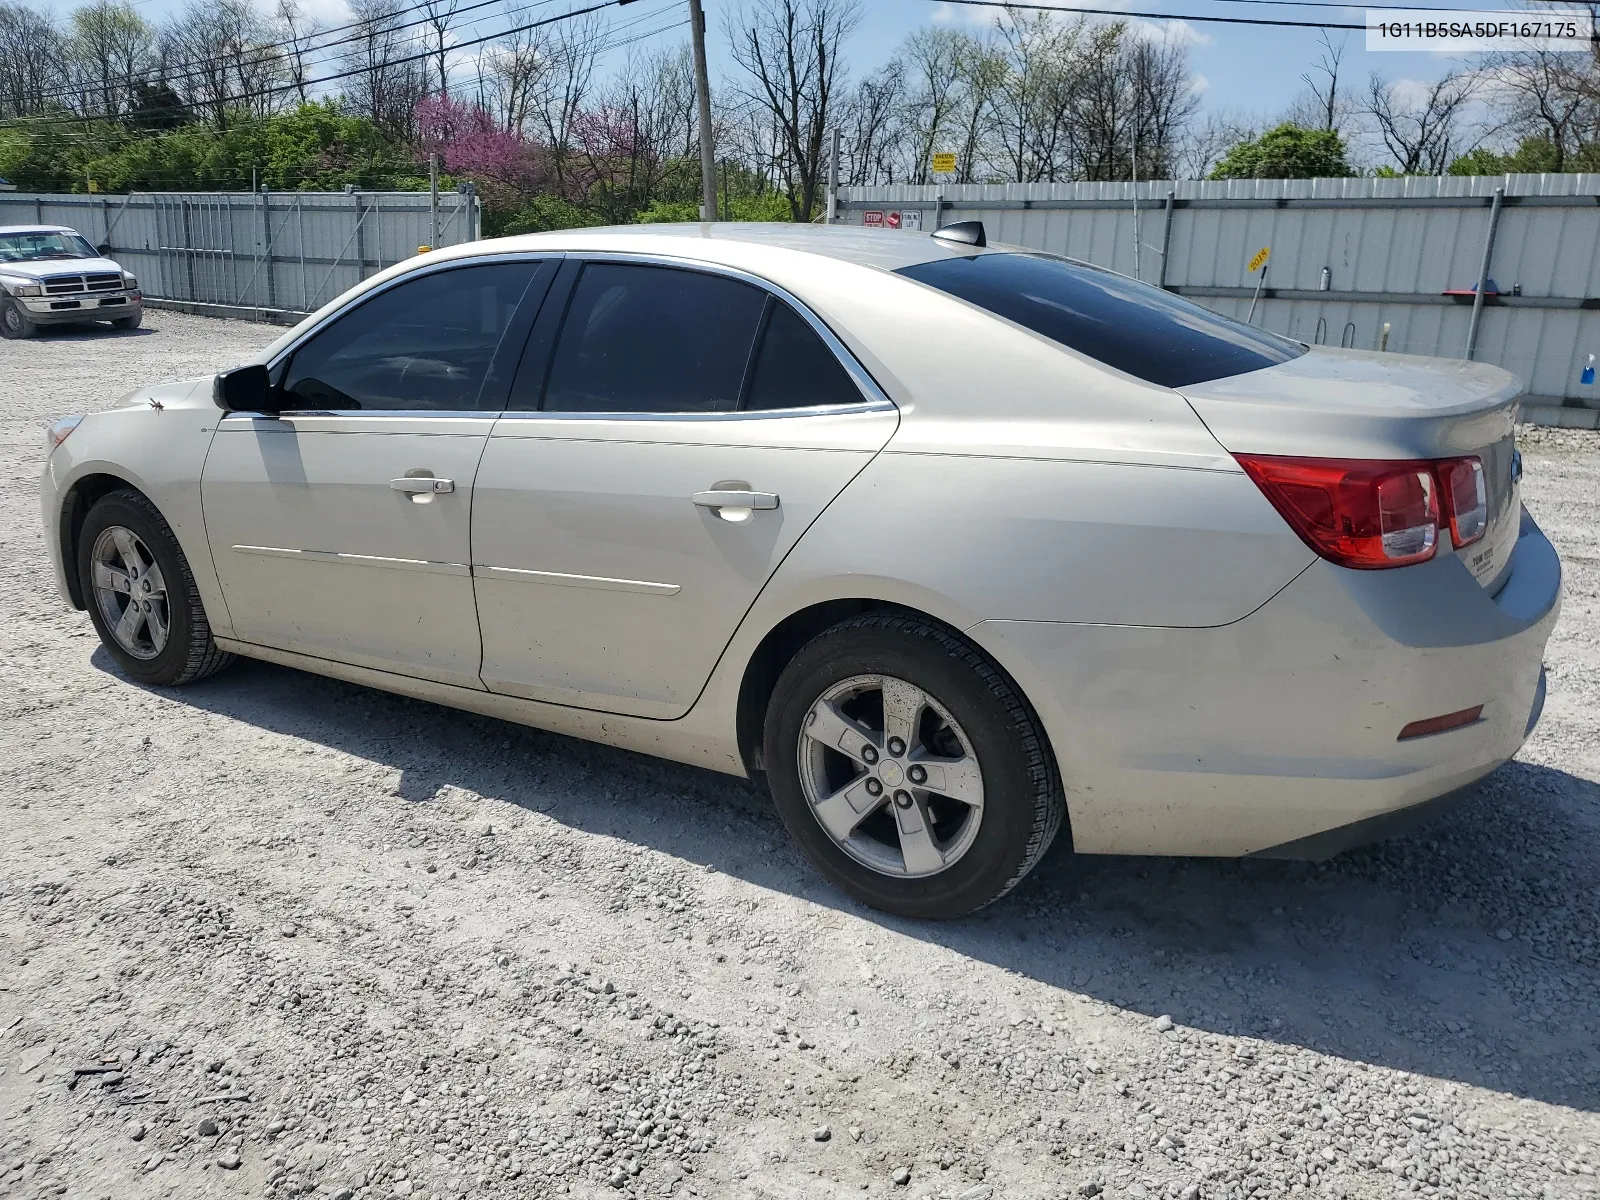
column 702, row 88
column 433, row 202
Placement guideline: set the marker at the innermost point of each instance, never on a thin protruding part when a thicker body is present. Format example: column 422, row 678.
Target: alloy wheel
column 131, row 592
column 890, row 776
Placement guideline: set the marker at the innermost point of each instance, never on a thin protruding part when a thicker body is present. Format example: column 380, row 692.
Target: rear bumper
column 65, row 310
column 1282, row 727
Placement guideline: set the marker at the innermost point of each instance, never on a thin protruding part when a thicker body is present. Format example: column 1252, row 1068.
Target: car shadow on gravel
column 89, row 331
column 1467, row 951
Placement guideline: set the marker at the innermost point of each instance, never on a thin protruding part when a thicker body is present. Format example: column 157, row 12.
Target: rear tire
column 992, row 803
column 14, row 323
column 128, row 558
column 128, row 322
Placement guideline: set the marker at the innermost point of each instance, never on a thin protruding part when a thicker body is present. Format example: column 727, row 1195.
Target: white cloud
column 1199, row 85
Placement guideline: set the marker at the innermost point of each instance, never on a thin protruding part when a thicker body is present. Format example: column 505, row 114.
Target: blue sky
column 1249, row 71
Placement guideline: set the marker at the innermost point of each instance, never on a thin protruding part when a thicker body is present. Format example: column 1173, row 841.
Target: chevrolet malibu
column 962, row 547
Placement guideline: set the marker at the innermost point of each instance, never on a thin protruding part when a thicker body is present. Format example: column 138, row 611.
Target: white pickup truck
column 51, row 275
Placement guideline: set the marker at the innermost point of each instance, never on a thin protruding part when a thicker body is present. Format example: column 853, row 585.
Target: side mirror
column 244, row 389
column 103, row 249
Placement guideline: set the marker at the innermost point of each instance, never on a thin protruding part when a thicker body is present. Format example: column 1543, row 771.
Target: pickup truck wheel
column 128, row 322
column 142, row 596
column 14, row 323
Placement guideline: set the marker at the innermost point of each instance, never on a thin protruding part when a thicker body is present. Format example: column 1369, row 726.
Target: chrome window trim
column 874, row 398
column 345, row 414
column 452, row 264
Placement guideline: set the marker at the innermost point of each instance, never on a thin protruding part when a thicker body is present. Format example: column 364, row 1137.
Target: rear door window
column 794, row 368
column 1142, row 330
column 648, row 339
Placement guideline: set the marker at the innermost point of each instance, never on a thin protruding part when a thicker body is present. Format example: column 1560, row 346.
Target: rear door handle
column 423, row 484
column 728, row 498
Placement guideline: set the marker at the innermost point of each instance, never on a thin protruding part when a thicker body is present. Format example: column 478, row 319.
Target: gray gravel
column 275, row 935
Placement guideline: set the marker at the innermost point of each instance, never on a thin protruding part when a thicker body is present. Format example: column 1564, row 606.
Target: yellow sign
column 94, row 185
column 944, row 164
column 1259, row 261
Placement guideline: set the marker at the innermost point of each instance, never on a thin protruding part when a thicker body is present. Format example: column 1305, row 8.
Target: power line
column 387, row 64
column 1163, row 16
column 187, row 72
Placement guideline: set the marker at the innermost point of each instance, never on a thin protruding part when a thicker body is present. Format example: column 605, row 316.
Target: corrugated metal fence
column 1349, row 257
column 271, row 251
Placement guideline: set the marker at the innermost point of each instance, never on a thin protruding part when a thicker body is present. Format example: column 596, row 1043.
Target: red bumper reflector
column 1453, row 720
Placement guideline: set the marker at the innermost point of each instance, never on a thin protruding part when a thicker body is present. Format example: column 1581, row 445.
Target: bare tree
column 1202, row 147
column 510, row 71
column 874, row 132
column 983, row 71
column 1550, row 95
column 561, row 91
column 32, row 62
column 109, row 47
column 221, row 56
column 388, row 81
column 438, row 14
column 1322, row 81
column 931, row 65
column 791, row 51
column 298, row 34
column 1420, row 130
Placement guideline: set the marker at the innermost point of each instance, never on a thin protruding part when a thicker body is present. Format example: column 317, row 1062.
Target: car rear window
column 1147, row 332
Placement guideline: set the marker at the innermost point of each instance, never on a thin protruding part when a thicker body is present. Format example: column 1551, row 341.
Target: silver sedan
column 964, row 548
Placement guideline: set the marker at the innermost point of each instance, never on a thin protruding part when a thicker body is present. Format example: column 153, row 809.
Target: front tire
column 908, row 768
column 128, row 322
column 141, row 595
column 14, row 323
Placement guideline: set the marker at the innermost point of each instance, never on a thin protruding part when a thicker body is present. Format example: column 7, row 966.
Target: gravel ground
column 276, row 935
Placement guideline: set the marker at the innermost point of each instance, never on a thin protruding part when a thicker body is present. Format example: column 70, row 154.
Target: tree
column 1420, row 128
column 1326, row 108
column 299, row 34
column 108, row 48
column 1553, row 96
column 32, row 61
column 438, row 14
column 388, row 79
column 791, row 51
column 1287, row 152
column 929, row 68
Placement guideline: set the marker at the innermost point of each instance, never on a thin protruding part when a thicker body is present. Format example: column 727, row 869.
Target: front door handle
column 424, row 484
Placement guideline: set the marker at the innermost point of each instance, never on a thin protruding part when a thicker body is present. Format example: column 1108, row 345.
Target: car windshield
column 1143, row 330
column 40, row 244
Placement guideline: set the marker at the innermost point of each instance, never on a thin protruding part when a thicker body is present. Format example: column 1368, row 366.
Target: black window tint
column 653, row 339
column 1131, row 326
column 794, row 367
column 424, row 344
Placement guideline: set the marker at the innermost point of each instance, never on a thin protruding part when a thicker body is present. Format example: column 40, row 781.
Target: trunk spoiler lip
column 1367, row 381
column 1332, row 403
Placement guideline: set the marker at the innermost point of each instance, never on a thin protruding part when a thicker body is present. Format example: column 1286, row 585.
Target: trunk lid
column 1331, row 403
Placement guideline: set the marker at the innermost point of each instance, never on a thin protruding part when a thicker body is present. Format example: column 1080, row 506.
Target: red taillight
column 1466, row 498
column 1372, row 514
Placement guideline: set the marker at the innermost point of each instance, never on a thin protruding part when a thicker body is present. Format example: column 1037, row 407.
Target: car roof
column 37, row 229
column 888, row 250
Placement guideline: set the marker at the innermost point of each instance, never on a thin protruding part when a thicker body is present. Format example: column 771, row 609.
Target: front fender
column 161, row 452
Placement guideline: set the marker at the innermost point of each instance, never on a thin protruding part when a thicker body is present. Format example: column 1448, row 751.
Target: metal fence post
column 1483, row 271
column 266, row 221
column 188, row 249
column 1166, row 239
column 361, row 240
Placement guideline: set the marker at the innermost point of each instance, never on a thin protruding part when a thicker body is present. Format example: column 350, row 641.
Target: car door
column 657, row 461
column 341, row 528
